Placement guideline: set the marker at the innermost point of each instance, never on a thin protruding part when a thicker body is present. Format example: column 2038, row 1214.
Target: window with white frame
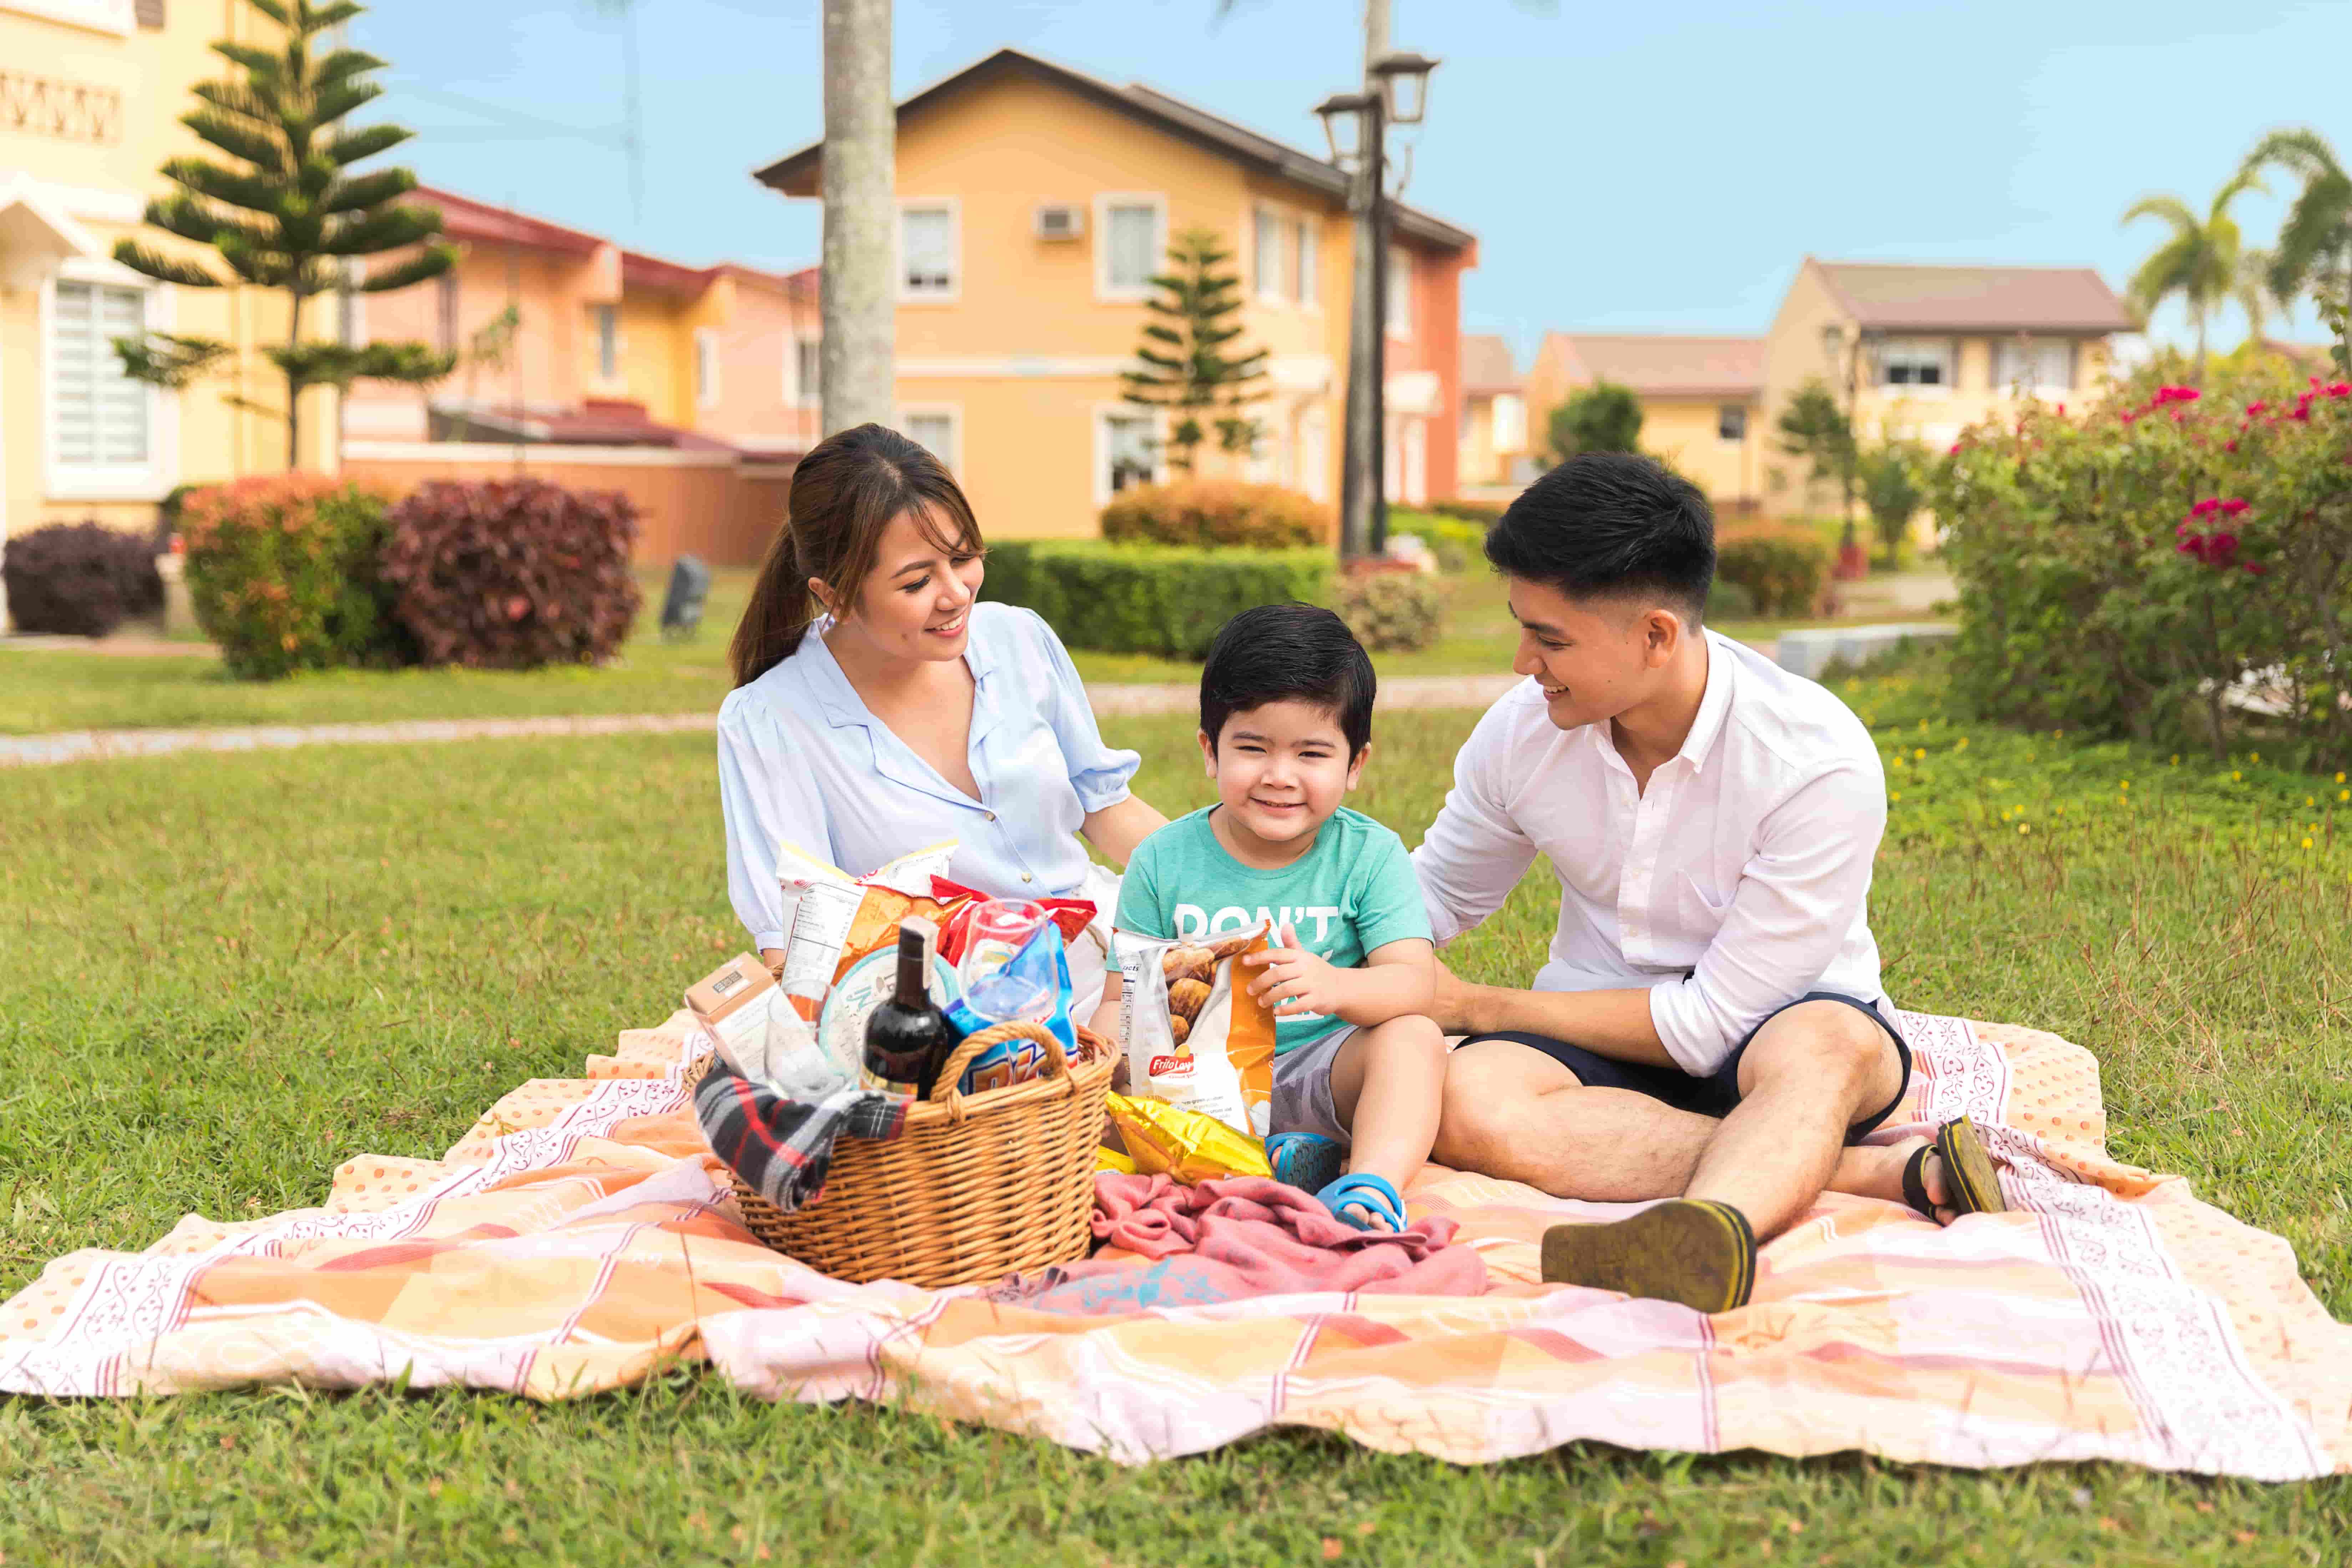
column 706, row 367
column 1134, row 239
column 926, row 250
column 1916, row 362
column 1304, row 256
column 1399, row 292
column 608, row 341
column 2038, row 364
column 1127, row 449
column 1265, row 253
column 1731, row 422
column 99, row 418
column 934, row 430
column 1509, row 417
column 804, row 360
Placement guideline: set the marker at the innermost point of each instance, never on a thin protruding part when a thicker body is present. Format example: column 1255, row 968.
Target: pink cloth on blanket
column 1275, row 1240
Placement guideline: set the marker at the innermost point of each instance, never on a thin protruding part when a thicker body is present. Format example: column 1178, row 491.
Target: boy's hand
column 1294, row 980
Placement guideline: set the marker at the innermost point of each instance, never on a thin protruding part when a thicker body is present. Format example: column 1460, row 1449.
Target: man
column 1710, row 1027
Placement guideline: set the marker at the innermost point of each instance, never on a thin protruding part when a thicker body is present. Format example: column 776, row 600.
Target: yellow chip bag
column 1192, row 1033
column 1190, row 1145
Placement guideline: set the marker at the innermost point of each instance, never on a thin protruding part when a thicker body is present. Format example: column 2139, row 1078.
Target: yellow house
column 1924, row 352
column 1034, row 204
column 90, row 93
column 1699, row 399
column 1494, row 417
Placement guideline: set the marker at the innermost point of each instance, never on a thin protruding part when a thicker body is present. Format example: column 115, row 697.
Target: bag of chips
column 1194, row 1036
column 1190, row 1145
column 840, row 918
column 1072, row 915
column 1034, row 984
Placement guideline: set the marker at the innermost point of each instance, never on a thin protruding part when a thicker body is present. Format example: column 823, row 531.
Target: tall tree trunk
column 1360, row 428
column 293, row 383
column 858, row 291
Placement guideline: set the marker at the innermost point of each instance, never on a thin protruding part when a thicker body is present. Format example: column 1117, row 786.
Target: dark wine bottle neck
column 912, row 992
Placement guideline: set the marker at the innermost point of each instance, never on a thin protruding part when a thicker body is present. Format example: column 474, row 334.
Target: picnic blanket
column 581, row 1233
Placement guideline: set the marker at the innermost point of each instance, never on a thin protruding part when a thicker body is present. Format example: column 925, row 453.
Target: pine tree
column 1190, row 366
column 289, row 214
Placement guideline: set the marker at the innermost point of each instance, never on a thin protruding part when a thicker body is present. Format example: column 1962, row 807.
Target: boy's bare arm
column 1106, row 1019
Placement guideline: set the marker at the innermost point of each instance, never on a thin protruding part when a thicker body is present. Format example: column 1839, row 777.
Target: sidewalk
column 98, row 745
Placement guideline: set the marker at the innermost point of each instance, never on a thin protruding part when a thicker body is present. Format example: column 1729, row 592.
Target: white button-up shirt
column 803, row 761
column 1736, row 883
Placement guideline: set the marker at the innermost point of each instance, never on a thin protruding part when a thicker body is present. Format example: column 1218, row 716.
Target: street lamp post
column 1356, row 125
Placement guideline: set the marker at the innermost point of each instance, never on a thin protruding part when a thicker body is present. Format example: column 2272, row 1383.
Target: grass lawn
column 225, row 974
column 43, row 691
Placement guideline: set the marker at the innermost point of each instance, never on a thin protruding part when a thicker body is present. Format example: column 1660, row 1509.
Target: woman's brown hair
column 845, row 494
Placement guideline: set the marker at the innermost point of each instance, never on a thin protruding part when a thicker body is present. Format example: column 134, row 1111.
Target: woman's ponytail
column 845, row 494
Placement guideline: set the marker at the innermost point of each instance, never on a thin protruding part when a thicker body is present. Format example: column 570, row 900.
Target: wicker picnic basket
column 978, row 1186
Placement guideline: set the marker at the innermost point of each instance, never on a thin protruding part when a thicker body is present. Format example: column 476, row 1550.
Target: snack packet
column 758, row 1033
column 1193, row 1035
column 1190, row 1145
column 840, row 918
column 1035, row 982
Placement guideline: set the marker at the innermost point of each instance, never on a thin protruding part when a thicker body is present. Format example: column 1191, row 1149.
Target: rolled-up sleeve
column 1797, row 900
column 1100, row 774
column 1474, row 853
column 767, row 801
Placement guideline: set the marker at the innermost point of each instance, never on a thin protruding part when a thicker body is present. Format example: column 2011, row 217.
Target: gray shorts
column 1302, row 1087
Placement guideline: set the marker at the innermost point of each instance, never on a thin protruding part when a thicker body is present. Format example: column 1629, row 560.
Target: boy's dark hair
column 1605, row 524
column 1297, row 653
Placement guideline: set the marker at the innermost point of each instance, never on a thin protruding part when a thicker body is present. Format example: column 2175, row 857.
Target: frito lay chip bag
column 1195, row 1036
column 1190, row 1145
column 840, row 918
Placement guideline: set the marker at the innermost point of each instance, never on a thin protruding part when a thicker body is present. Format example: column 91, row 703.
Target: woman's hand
column 1294, row 980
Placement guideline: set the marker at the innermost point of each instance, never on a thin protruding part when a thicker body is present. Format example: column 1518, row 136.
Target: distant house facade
column 1035, row 204
column 1700, row 400
column 691, row 388
column 1917, row 352
column 1493, row 416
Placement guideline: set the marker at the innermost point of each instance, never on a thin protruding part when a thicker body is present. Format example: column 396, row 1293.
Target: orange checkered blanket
column 580, row 1235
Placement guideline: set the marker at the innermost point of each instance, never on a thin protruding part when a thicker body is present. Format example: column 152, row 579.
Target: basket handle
column 1056, row 1060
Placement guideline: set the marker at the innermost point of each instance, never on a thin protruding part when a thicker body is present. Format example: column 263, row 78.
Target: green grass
column 43, row 691
column 225, row 974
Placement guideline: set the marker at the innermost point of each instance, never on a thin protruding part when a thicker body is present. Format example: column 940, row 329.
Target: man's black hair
column 1296, row 653
column 1611, row 525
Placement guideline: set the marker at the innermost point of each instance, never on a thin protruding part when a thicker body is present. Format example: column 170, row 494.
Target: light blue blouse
column 802, row 761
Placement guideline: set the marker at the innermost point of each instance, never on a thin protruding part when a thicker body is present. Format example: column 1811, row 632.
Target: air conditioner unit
column 1061, row 220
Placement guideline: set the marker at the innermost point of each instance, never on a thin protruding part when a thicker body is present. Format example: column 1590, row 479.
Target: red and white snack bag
column 840, row 918
column 1192, row 1033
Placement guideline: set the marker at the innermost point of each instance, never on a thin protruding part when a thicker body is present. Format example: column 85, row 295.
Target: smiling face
column 1281, row 770
column 916, row 604
column 1594, row 658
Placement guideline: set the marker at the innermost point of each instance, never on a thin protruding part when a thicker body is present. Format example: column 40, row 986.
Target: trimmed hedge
column 1149, row 598
column 282, row 573
column 1456, row 544
column 1783, row 568
column 1393, row 612
column 1484, row 513
column 1215, row 511
column 513, row 573
column 79, row 579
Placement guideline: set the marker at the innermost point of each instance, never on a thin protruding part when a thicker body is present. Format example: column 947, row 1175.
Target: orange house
column 1034, row 204
column 690, row 388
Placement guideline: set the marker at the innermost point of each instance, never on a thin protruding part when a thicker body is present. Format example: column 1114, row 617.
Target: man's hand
column 1294, row 980
column 1455, row 1005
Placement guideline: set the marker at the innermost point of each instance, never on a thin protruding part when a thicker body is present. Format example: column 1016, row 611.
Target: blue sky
column 1625, row 166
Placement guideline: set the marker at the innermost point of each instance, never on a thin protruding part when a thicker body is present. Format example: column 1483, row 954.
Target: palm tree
column 2201, row 262
column 2314, row 245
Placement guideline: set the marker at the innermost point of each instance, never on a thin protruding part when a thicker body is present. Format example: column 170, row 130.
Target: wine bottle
column 906, row 1037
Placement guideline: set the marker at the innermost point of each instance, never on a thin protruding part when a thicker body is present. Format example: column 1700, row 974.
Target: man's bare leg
column 1516, row 1114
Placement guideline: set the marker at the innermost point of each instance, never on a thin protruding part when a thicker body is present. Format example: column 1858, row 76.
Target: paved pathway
column 89, row 745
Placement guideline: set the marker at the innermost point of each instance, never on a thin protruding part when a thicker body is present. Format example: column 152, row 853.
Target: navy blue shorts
column 1715, row 1094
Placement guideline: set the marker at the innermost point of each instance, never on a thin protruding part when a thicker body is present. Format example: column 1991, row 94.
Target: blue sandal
column 1308, row 1161
column 1365, row 1192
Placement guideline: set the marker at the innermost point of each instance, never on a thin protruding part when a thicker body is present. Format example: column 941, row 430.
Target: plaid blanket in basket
column 783, row 1147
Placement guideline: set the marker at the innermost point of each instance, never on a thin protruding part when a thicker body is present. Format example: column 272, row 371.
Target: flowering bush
column 1215, row 511
column 281, row 570
column 2171, row 564
column 512, row 573
column 1393, row 612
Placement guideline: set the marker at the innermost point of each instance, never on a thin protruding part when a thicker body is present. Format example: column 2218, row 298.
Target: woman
column 879, row 708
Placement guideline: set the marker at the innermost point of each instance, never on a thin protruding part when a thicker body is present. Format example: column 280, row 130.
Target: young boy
column 1359, row 1068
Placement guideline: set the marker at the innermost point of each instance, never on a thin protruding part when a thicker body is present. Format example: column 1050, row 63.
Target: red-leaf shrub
column 282, row 573
column 1215, row 511
column 79, row 579
column 512, row 573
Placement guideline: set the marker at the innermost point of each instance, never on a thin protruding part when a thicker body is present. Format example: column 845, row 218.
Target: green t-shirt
column 1353, row 891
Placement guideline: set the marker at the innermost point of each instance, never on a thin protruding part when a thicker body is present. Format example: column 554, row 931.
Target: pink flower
column 2230, row 508
column 1956, row 446
column 2256, row 406
column 2206, row 508
column 2256, row 567
column 2222, row 544
column 2192, row 545
column 2302, row 412
column 2182, row 530
column 2339, row 389
column 2062, row 410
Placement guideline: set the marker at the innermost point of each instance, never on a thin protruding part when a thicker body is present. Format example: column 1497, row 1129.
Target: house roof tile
column 1665, row 365
column 1486, row 365
column 1894, row 295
